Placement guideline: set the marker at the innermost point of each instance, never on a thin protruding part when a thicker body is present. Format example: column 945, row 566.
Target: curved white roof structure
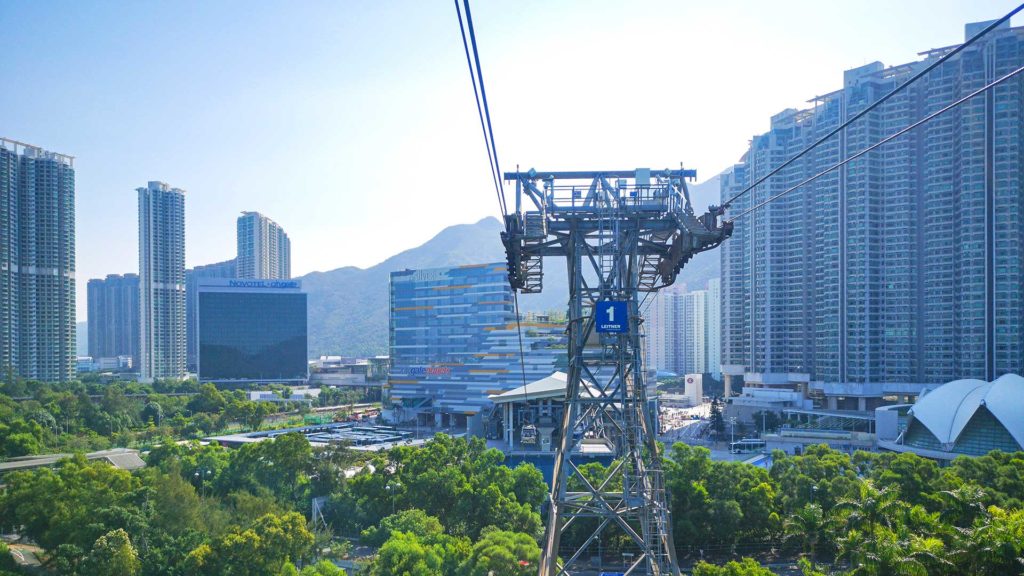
column 946, row 410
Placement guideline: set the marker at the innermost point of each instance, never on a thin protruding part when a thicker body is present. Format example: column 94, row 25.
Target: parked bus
column 746, row 446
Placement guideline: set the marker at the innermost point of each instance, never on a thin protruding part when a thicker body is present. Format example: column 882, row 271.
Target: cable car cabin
column 528, row 435
column 746, row 446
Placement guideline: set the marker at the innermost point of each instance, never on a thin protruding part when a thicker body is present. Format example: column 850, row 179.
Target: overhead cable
column 945, row 57
column 481, row 109
column 885, row 140
column 476, row 75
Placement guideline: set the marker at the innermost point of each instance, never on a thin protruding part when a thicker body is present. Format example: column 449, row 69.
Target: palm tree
column 992, row 546
column 806, row 524
column 874, row 507
column 884, row 554
column 963, row 505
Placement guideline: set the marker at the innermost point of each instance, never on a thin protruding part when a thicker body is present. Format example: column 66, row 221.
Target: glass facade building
column 453, row 342
column 193, row 276
column 252, row 331
column 903, row 268
column 37, row 263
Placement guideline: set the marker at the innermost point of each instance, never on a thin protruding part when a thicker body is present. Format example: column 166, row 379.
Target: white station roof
column 946, row 410
column 551, row 387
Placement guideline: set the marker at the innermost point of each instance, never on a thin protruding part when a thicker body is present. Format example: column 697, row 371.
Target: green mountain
column 348, row 307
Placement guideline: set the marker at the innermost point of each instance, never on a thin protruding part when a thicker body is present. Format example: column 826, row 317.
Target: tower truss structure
column 623, row 234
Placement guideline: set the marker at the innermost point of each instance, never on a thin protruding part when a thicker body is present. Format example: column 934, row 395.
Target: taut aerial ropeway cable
column 482, row 108
column 945, row 57
column 885, row 140
column 476, row 76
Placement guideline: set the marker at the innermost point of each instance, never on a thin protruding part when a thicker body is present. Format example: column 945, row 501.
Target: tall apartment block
column 162, row 341
column 264, row 250
column 194, row 277
column 454, row 342
column 902, row 269
column 114, row 317
column 662, row 327
column 713, row 327
column 683, row 330
column 37, row 263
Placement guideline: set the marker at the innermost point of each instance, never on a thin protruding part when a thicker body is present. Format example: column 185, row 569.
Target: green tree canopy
column 500, row 553
column 113, row 555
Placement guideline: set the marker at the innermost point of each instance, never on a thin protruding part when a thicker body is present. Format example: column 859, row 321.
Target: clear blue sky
column 353, row 125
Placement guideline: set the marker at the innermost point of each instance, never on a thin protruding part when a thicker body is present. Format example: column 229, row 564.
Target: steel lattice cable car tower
column 622, row 233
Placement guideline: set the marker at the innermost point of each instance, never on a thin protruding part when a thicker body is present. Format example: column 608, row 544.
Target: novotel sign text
column 263, row 283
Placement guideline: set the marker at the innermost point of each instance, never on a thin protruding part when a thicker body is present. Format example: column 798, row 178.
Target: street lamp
column 732, row 426
column 201, row 475
column 391, row 490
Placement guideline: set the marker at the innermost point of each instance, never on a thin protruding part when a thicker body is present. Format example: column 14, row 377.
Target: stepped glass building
column 904, row 268
column 162, row 339
column 453, row 342
column 37, row 263
column 264, row 250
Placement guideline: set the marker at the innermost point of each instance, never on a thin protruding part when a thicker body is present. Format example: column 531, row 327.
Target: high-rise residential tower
column 162, row 341
column 662, row 328
column 37, row 263
column 693, row 321
column 114, row 317
column 903, row 268
column 264, row 250
column 713, row 327
column 683, row 330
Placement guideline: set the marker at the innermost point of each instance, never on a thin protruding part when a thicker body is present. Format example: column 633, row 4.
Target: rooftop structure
column 123, row 458
column 366, row 437
column 965, row 417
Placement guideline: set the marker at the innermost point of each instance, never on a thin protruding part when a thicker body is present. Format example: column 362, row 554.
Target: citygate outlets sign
column 416, row 371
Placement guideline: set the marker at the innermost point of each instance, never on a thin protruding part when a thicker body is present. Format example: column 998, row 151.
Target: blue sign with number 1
column 612, row 316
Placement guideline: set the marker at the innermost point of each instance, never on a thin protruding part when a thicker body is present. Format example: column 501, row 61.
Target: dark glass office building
column 252, row 331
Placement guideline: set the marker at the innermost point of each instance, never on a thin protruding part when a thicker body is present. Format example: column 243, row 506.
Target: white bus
column 746, row 446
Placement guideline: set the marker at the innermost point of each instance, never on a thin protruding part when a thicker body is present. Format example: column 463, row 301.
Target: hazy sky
column 353, row 125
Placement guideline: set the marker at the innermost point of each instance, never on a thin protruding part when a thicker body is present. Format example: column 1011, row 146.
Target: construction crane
column 622, row 233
